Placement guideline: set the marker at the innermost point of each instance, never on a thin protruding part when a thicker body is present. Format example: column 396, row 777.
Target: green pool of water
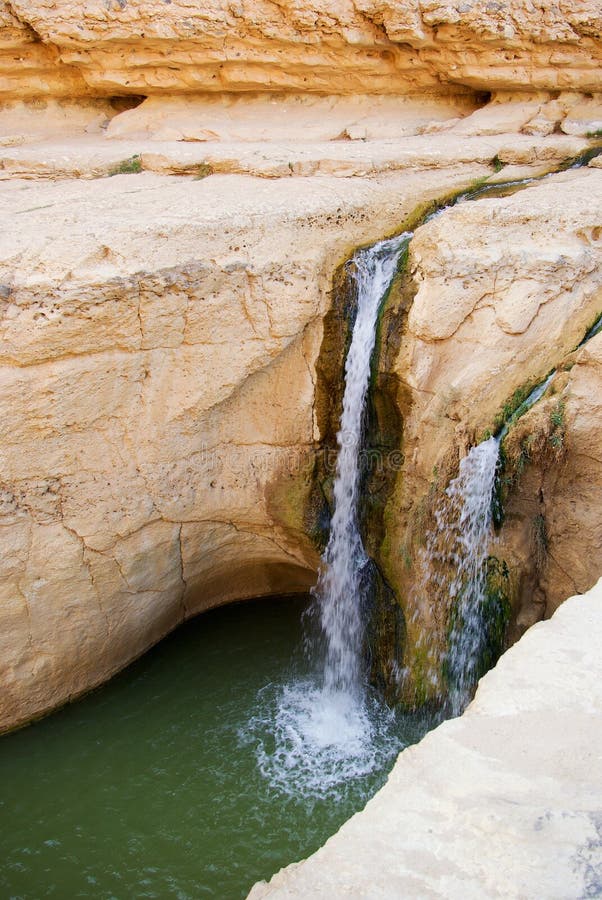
column 151, row 787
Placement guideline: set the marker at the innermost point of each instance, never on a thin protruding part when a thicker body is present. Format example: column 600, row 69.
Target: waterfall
column 457, row 551
column 466, row 524
column 329, row 730
column 338, row 593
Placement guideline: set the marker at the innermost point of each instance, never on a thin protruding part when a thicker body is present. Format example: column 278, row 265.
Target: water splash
column 314, row 745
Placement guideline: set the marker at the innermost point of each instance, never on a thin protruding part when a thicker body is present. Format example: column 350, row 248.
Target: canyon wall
column 182, row 184
column 58, row 47
column 158, row 424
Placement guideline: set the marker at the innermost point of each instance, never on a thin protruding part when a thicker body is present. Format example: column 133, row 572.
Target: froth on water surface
column 312, row 743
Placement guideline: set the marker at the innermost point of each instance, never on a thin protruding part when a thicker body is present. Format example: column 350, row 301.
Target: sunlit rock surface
column 553, row 529
column 159, row 343
column 502, row 802
column 347, row 47
column 161, row 330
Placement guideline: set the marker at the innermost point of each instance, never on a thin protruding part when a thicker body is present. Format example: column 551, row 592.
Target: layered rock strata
column 354, row 46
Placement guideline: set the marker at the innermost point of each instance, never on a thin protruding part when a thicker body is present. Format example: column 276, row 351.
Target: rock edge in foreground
column 501, row 802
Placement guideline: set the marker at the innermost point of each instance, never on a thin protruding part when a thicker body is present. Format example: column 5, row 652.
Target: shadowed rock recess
column 183, row 186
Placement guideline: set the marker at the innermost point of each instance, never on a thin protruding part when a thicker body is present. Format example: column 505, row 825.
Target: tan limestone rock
column 553, row 529
column 285, row 117
column 354, row 46
column 31, row 68
column 159, row 340
column 584, row 118
column 32, row 120
column 90, row 156
column 503, row 115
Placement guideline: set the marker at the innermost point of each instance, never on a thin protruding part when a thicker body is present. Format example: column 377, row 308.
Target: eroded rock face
column 501, row 290
column 552, row 532
column 159, row 345
column 161, row 335
column 28, row 66
column 288, row 117
column 355, row 46
column 160, row 342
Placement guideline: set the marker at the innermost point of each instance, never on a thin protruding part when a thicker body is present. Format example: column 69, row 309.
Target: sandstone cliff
column 348, row 46
column 165, row 330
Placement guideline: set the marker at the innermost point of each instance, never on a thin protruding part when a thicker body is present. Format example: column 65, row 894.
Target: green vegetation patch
column 203, row 170
column 512, row 406
column 496, row 611
column 130, row 166
column 539, row 437
column 557, row 433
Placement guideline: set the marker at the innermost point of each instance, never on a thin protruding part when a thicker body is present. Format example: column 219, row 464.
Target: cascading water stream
column 338, row 593
column 467, row 526
column 460, row 545
column 329, row 730
column 459, row 548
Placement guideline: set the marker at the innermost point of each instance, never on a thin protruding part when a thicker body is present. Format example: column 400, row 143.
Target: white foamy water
column 327, row 731
column 313, row 744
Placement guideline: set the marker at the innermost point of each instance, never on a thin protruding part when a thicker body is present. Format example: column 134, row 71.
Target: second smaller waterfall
column 455, row 571
column 468, row 526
